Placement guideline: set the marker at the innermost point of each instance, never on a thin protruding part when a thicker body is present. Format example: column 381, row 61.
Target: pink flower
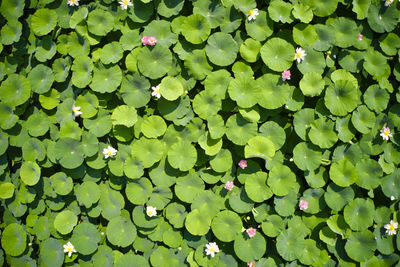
column 243, row 163
column 303, row 205
column 229, row 185
column 286, row 75
column 251, row 231
column 251, row 264
column 360, row 36
column 149, row 40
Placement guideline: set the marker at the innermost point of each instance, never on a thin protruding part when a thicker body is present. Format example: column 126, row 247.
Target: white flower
column 300, row 54
column 252, row 14
column 211, row 249
column 388, row 2
column 385, row 133
column 156, row 91
column 76, row 111
column 151, row 211
column 125, row 3
column 69, row 248
column 392, row 197
column 73, row 2
column 109, row 152
column 391, row 227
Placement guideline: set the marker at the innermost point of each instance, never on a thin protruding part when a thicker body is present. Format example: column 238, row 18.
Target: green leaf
column 121, row 232
column 65, row 221
column 13, row 239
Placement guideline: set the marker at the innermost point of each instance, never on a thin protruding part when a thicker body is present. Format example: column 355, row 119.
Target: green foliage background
column 315, row 137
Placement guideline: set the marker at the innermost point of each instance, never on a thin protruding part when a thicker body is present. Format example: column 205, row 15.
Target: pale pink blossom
column 229, row 185
column 251, row 264
column 286, row 75
column 303, row 205
column 149, row 40
column 243, row 163
column 360, row 37
column 251, row 231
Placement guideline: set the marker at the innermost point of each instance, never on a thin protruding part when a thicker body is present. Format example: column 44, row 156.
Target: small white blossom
column 252, row 14
column 69, row 248
column 385, row 133
column 73, row 2
column 76, row 110
column 211, row 249
column 391, row 227
column 300, row 54
column 151, row 211
column 109, row 152
column 388, row 2
column 125, row 3
column 392, row 197
column 156, row 91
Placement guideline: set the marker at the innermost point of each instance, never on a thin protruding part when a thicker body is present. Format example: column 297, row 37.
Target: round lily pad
column 100, row 22
column 121, row 232
column 13, row 239
column 135, row 90
column 148, row 151
column 322, row 133
column 15, row 90
column 221, row 49
column 106, row 79
column 363, row 119
column 381, row 19
column 153, row 126
column 176, row 214
column 312, row 84
column 171, row 88
column 6, row 190
column 87, row 193
column 188, row 187
column 30, row 173
column 226, row 220
column 337, row 197
column 82, row 71
column 85, row 238
column 41, row 79
column 274, row 92
column 43, row 21
column 261, row 28
column 244, row 90
column 346, row 31
column 221, row 162
column 206, row 104
column 198, row 222
column 259, row 147
column 359, row 214
column 281, row 180
column 341, row 97
column 182, row 156
column 249, row 249
column 51, row 252
column 343, row 173
column 139, row 191
column 360, row 246
column 69, row 152
column 376, row 98
column 124, row 115
column 196, row 29
column 256, row 188
column 65, row 221
column 277, row 54
column 154, row 62
column 307, row 156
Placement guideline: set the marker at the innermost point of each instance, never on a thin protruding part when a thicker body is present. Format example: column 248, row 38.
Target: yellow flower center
column 73, row 109
column 386, row 132
column 109, row 153
column 391, row 227
column 73, row 1
column 126, row 2
column 158, row 91
column 250, row 12
column 69, row 248
column 212, row 249
column 298, row 55
column 149, row 212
